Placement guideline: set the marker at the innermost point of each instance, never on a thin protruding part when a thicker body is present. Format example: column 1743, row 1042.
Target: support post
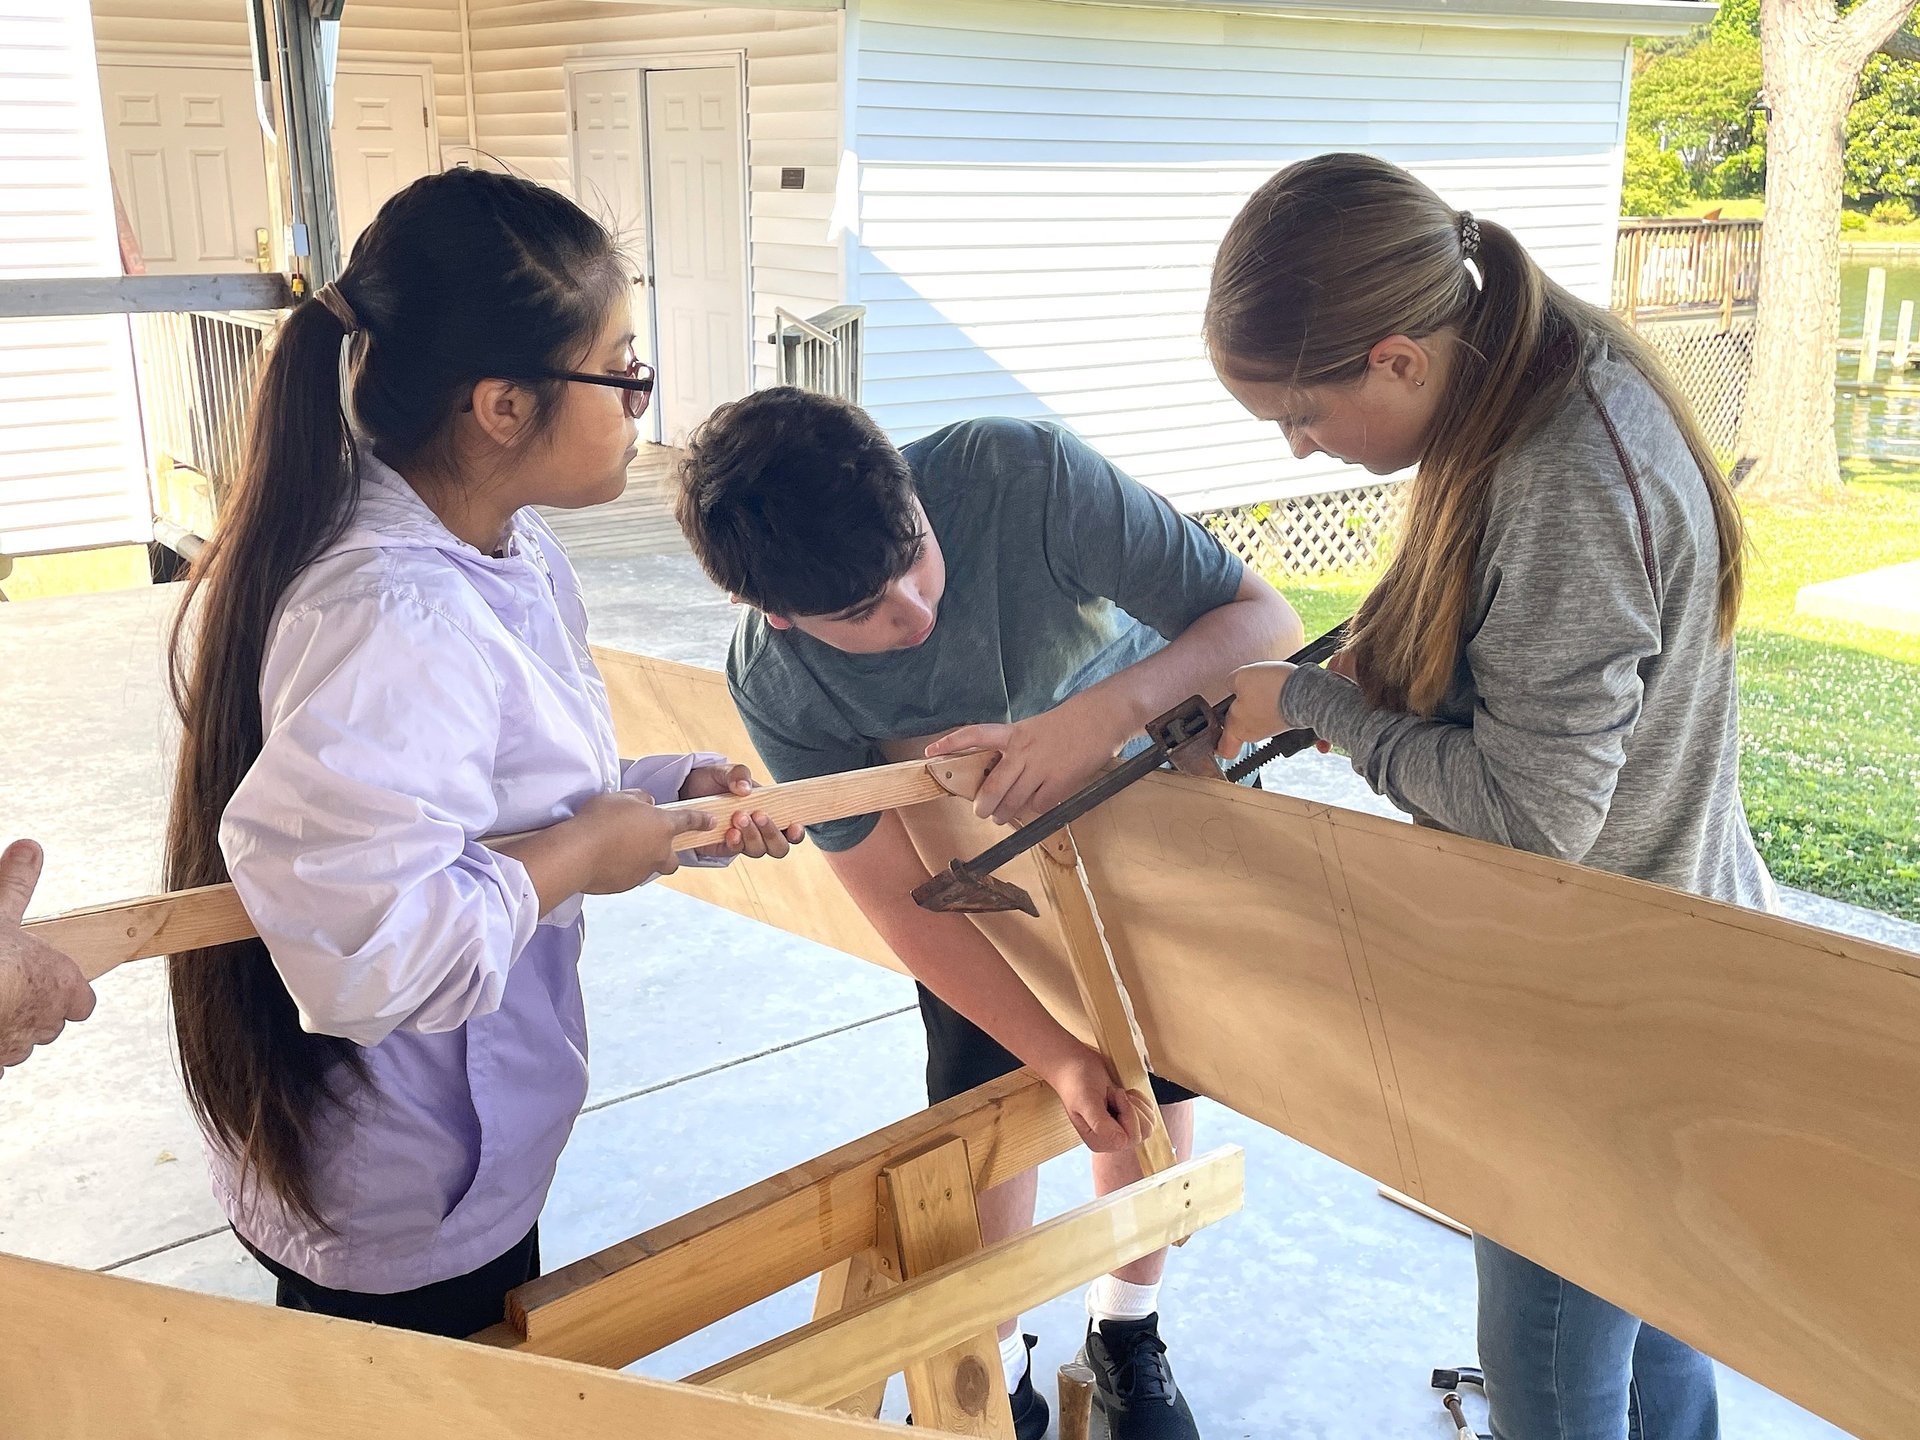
column 1903, row 340
column 936, row 1222
column 314, row 207
column 1870, row 331
column 848, row 1285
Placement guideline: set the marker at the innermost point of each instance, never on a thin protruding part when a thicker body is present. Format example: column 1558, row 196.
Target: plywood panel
column 97, row 1357
column 1705, row 1114
column 1709, row 1120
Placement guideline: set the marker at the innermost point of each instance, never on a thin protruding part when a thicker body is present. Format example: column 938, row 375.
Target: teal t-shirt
column 1060, row 571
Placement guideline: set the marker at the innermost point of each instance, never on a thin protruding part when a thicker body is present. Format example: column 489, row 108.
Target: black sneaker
column 1030, row 1414
column 1133, row 1389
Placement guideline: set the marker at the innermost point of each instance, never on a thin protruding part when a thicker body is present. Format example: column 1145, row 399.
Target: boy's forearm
column 1257, row 624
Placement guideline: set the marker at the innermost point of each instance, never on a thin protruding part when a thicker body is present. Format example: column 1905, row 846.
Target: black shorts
column 456, row 1308
column 961, row 1056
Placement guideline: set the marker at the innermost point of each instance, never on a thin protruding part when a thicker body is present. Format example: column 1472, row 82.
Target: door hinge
column 425, row 122
column 576, row 117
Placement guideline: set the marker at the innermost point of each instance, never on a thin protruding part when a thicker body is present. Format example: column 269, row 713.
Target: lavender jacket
column 418, row 695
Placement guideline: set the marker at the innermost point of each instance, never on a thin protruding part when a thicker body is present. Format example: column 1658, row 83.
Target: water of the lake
column 1877, row 428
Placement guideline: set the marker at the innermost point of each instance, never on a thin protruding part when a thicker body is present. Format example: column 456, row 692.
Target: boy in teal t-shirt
column 995, row 584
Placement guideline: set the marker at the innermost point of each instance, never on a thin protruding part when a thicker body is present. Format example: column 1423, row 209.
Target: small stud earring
column 1421, row 383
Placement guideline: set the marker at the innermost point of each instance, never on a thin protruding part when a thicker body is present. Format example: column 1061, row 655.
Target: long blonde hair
column 1333, row 255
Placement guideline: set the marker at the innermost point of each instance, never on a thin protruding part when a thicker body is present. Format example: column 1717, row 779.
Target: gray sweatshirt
column 1593, row 716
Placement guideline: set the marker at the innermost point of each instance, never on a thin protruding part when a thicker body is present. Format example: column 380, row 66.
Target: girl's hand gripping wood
column 751, row 833
column 614, row 842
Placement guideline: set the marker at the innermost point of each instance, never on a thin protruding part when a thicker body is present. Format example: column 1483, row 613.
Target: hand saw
column 1183, row 738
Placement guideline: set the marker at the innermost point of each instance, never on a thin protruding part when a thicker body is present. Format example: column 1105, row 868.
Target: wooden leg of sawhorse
column 936, row 1222
column 854, row 1282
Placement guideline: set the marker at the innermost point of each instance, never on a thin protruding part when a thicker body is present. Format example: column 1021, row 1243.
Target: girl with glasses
column 381, row 660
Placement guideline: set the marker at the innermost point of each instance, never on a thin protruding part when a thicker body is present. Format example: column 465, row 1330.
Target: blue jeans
column 1563, row 1364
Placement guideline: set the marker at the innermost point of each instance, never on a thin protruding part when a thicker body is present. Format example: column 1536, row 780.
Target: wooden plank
column 1109, row 1011
column 961, row 1390
column 632, row 1298
column 98, row 1357
column 1407, row 1202
column 926, row 1316
column 1701, row 1112
column 850, row 1284
column 123, row 294
column 103, row 937
column 108, row 935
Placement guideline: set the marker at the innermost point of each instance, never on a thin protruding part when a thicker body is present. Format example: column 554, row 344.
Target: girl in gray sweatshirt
column 1547, row 662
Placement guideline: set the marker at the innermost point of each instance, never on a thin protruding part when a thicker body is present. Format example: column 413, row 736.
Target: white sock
column 1111, row 1298
column 1013, row 1359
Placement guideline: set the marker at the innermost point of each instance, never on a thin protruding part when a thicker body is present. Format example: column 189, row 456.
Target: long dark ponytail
column 462, row 276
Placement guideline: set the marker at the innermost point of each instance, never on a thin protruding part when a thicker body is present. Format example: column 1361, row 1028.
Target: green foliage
column 1893, row 211
column 1697, row 103
column 1656, row 181
column 1738, row 19
column 1883, row 131
column 1695, row 99
column 1852, row 221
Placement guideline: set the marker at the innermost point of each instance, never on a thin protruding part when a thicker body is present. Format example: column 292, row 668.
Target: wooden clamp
column 101, row 938
column 1063, row 880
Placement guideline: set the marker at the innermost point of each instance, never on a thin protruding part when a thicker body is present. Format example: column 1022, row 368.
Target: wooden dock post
column 1903, row 339
column 1870, row 331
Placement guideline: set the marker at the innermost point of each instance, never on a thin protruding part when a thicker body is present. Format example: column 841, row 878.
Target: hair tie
column 1469, row 234
column 329, row 295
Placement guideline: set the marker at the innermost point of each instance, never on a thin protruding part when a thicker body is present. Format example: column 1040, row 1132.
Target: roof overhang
column 1605, row 17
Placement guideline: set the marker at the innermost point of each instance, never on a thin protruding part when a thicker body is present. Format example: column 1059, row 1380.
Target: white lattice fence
column 1339, row 530
column 1712, row 363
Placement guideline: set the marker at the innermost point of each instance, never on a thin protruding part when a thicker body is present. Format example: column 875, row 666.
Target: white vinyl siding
column 1043, row 185
column 793, row 118
column 423, row 31
column 72, row 471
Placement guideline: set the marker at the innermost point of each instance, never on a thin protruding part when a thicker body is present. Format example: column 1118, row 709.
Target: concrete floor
column 723, row 1051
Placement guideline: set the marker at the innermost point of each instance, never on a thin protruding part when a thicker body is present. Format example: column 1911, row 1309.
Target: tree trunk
column 1811, row 60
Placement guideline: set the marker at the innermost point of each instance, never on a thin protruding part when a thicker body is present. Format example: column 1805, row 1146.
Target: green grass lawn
column 1830, row 713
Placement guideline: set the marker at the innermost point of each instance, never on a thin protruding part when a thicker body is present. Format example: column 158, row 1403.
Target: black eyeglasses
column 636, row 386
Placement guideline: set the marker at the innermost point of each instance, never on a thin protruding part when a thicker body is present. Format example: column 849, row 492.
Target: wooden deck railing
column 1686, row 267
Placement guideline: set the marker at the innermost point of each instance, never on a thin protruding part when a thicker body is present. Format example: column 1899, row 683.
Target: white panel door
column 610, row 174
column 382, row 139
column 187, row 153
column 697, row 185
